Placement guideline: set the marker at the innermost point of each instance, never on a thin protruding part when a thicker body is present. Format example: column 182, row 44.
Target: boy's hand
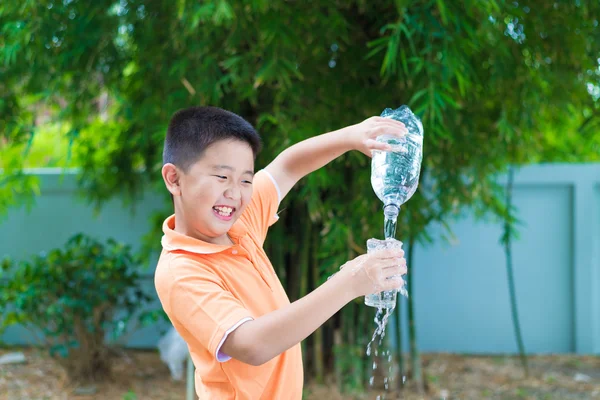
column 258, row 341
column 375, row 272
column 365, row 133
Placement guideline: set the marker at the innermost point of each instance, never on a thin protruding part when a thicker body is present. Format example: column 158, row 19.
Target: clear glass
column 385, row 299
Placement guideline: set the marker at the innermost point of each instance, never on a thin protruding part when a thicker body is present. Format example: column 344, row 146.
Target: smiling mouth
column 224, row 211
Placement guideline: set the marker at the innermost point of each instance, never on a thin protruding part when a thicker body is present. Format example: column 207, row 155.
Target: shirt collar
column 172, row 240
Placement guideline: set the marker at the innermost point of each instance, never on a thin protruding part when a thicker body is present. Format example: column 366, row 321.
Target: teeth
column 224, row 211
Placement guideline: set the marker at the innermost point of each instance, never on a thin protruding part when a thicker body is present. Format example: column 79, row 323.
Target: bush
column 74, row 297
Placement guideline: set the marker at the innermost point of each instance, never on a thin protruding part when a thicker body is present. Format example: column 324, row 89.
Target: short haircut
column 192, row 130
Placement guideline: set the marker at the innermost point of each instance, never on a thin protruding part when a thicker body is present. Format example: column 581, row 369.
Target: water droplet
column 381, row 317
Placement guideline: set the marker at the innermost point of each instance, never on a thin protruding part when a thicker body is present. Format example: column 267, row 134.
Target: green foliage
column 495, row 82
column 74, row 297
column 130, row 395
column 50, row 148
column 349, row 361
column 17, row 188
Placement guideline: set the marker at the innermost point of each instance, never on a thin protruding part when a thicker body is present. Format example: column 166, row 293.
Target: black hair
column 193, row 129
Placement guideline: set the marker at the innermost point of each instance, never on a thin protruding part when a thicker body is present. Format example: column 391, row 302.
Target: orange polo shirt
column 208, row 290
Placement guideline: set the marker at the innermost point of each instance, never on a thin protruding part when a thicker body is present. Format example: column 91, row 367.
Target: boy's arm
column 307, row 156
column 258, row 341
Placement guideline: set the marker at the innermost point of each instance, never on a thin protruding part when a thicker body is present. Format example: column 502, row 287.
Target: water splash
column 381, row 318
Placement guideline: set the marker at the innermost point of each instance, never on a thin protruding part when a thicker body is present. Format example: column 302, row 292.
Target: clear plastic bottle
column 395, row 174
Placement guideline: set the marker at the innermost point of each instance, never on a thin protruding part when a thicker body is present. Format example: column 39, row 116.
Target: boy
column 213, row 277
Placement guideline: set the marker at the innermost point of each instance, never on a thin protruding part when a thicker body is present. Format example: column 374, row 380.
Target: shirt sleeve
column 205, row 308
column 261, row 213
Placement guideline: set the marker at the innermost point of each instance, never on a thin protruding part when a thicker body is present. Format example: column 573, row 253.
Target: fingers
column 381, row 270
column 392, row 127
column 396, row 270
column 388, row 120
column 394, row 283
column 388, row 253
column 373, row 144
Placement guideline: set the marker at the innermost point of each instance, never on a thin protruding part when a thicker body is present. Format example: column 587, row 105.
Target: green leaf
column 443, row 12
column 223, row 13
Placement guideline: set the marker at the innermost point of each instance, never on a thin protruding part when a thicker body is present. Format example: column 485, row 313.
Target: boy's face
column 214, row 192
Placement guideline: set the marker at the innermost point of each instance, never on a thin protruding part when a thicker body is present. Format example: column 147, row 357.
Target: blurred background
column 502, row 237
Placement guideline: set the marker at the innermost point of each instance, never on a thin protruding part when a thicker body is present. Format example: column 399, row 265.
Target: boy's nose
column 233, row 193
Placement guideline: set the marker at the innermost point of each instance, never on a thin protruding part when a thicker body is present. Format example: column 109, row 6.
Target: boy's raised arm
column 307, row 156
column 258, row 341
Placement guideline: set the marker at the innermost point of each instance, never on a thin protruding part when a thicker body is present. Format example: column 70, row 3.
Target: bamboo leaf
column 419, row 94
column 443, row 12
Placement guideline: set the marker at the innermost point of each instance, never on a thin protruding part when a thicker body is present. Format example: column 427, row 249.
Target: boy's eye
column 221, row 176
column 248, row 182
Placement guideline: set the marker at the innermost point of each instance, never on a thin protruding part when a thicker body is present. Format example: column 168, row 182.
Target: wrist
column 348, row 137
column 345, row 286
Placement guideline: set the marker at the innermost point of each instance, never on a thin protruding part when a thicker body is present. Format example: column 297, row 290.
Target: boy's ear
column 171, row 176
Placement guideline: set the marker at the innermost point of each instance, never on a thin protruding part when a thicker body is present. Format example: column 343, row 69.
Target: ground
column 141, row 375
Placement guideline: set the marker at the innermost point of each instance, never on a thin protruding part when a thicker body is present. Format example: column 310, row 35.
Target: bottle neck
column 391, row 211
